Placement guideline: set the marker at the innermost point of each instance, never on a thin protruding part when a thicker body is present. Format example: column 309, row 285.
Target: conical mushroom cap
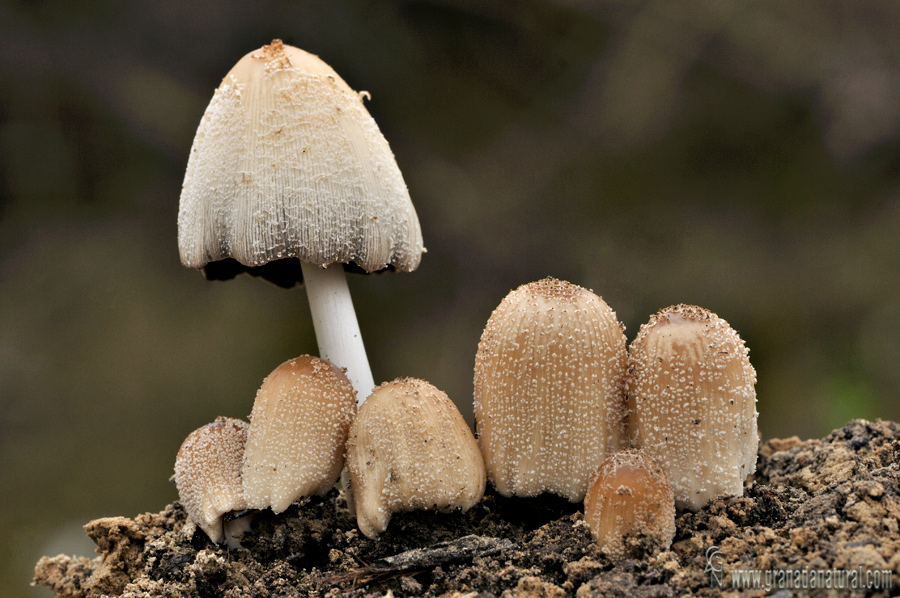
column 287, row 163
column 208, row 473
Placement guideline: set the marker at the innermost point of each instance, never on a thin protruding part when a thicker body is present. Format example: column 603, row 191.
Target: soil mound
column 819, row 516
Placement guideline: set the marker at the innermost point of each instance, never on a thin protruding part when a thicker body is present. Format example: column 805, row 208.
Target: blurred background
column 743, row 156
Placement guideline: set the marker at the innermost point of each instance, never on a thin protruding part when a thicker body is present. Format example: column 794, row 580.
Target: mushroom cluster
column 408, row 448
column 293, row 448
column 557, row 396
column 290, row 179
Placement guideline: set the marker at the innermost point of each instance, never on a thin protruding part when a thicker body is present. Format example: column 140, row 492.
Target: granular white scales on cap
column 288, row 165
column 692, row 402
column 299, row 425
column 208, row 474
column 410, row 448
column 549, row 389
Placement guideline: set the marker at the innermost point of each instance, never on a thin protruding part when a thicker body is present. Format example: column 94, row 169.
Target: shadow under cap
column 285, row 273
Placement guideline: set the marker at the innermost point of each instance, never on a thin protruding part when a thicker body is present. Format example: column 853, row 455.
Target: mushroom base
column 837, row 498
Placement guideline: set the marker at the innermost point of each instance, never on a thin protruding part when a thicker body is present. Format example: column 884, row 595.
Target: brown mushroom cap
column 692, row 402
column 630, row 498
column 298, row 428
column 411, row 449
column 549, row 389
column 287, row 163
column 208, row 474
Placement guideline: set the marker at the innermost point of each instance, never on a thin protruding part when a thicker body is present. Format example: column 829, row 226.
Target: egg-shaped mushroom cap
column 630, row 497
column 287, row 163
column 692, row 402
column 208, row 474
column 298, row 429
column 549, row 389
column 410, row 449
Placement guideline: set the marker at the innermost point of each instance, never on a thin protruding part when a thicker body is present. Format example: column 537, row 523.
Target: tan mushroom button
column 411, row 449
column 549, row 389
column 630, row 506
column 208, row 474
column 298, row 428
column 692, row 402
column 287, row 163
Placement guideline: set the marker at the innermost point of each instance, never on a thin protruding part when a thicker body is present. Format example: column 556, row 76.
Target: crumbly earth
column 816, row 505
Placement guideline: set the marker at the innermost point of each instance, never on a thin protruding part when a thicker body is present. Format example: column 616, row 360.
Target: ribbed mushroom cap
column 298, row 428
column 629, row 499
column 692, row 402
column 549, row 389
column 208, row 474
column 411, row 449
column 287, row 163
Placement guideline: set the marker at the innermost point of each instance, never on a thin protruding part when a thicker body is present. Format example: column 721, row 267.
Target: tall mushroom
column 287, row 163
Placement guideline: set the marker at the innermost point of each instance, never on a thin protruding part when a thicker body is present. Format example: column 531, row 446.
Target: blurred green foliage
column 743, row 156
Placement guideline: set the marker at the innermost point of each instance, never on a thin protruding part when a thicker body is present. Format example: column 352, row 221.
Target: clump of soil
column 830, row 504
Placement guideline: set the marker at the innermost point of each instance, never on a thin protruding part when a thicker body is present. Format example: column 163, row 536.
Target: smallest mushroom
column 208, row 477
column 630, row 499
column 411, row 449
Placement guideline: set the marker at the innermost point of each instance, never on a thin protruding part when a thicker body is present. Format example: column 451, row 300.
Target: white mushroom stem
column 334, row 319
column 235, row 529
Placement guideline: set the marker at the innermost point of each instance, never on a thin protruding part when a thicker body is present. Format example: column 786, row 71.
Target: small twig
column 420, row 559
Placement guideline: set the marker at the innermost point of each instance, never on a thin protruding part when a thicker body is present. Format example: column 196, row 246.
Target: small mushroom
column 298, row 428
column 630, row 499
column 549, row 389
column 410, row 449
column 692, row 402
column 287, row 164
column 208, row 474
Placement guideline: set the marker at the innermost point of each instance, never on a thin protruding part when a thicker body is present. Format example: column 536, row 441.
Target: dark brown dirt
column 815, row 505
